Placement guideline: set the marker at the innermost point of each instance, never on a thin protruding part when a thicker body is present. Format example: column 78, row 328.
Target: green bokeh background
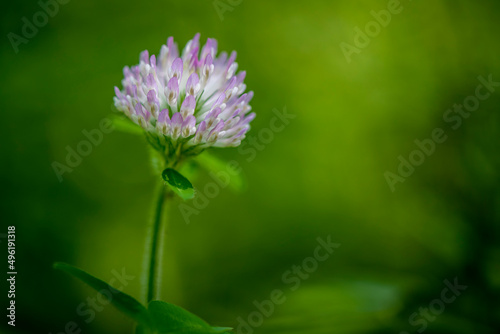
column 322, row 175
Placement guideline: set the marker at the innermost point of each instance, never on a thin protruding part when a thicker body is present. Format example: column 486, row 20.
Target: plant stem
column 153, row 251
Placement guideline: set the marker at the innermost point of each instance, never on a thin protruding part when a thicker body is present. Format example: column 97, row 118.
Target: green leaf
column 216, row 165
column 178, row 183
column 170, row 318
column 123, row 302
column 124, row 124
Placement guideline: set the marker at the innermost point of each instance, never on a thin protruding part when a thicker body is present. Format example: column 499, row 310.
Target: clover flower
column 187, row 103
column 184, row 104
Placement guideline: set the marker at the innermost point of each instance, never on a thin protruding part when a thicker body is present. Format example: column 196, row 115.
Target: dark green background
column 322, row 175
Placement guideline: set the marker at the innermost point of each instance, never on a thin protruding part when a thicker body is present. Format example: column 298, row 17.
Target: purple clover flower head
column 187, row 101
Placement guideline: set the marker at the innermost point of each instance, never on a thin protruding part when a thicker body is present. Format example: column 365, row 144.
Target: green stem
column 155, row 236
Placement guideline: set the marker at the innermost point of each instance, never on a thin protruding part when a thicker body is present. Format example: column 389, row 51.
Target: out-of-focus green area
column 322, row 175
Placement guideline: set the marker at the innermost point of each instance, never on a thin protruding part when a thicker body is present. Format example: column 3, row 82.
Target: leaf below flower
column 123, row 302
column 178, row 183
column 172, row 319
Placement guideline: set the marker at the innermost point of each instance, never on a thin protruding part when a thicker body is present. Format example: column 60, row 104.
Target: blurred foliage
column 322, row 175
